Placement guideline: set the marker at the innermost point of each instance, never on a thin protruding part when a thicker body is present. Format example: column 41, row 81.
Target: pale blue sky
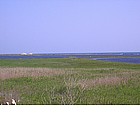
column 69, row 26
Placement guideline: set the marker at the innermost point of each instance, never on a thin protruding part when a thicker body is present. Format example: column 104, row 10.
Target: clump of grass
column 65, row 96
column 68, row 94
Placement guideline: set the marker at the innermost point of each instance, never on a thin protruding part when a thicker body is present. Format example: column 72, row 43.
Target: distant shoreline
column 103, row 53
column 134, row 59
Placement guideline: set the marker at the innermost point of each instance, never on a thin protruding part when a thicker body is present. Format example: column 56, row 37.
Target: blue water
column 131, row 57
column 29, row 57
column 122, row 60
column 44, row 56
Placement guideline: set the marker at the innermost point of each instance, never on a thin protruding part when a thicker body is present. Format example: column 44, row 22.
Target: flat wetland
column 69, row 81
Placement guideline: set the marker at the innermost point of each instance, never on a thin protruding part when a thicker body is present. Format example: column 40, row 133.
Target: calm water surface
column 122, row 60
column 130, row 59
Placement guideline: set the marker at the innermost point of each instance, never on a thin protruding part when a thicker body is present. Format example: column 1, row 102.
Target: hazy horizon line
column 72, row 52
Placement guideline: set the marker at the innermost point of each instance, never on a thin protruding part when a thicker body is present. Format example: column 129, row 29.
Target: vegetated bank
column 69, row 81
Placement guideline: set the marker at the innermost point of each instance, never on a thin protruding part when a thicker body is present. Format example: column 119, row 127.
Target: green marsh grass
column 69, row 82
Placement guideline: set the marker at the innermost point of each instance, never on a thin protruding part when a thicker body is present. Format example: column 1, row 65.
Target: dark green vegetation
column 69, row 81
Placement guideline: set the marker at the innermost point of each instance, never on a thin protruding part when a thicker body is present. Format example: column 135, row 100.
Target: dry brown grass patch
column 7, row 73
column 103, row 81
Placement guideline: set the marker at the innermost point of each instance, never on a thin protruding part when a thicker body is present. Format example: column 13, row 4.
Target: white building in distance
column 23, row 53
column 30, row 53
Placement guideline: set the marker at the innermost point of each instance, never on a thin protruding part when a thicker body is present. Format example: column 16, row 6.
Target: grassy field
column 69, row 81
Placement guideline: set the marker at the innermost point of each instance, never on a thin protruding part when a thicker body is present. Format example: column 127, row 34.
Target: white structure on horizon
column 30, row 53
column 24, row 54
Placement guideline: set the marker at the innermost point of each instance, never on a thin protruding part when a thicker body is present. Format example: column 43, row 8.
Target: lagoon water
column 122, row 60
column 29, row 57
column 127, row 57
